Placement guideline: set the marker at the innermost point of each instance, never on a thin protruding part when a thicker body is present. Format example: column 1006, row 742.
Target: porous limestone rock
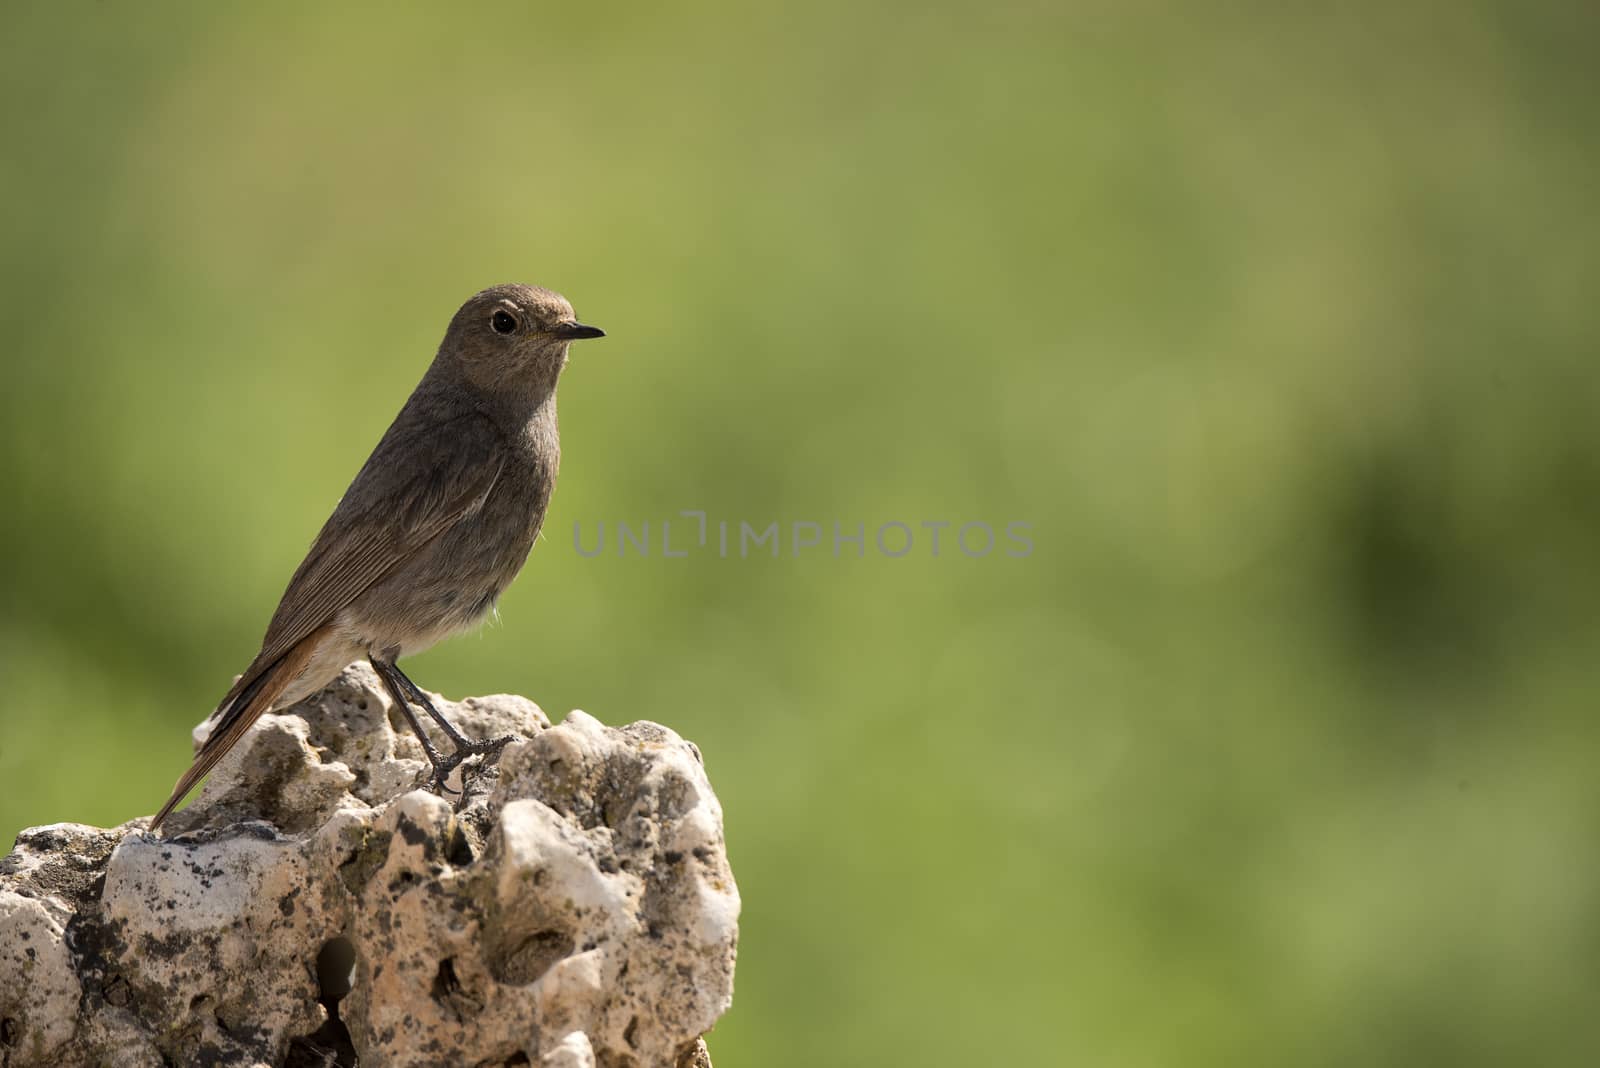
column 573, row 908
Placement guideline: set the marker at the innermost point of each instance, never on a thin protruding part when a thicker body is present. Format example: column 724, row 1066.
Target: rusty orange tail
column 252, row 695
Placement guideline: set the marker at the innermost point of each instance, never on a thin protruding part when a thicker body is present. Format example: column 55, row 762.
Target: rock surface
column 313, row 907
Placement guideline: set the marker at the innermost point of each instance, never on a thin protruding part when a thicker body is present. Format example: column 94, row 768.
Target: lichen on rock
column 573, row 907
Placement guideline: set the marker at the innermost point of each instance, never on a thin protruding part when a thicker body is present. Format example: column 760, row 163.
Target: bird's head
column 514, row 334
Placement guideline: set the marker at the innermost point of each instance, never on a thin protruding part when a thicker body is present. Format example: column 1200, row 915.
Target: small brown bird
column 435, row 526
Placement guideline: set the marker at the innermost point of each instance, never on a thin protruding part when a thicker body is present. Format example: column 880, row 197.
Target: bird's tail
column 252, row 695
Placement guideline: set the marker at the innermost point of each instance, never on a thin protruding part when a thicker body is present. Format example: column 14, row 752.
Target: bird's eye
column 503, row 322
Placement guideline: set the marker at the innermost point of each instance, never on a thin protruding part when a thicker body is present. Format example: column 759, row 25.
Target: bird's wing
column 418, row 483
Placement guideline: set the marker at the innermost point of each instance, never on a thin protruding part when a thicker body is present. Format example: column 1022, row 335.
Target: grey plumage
column 434, row 527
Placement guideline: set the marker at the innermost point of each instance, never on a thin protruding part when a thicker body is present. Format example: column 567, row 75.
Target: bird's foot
column 489, row 748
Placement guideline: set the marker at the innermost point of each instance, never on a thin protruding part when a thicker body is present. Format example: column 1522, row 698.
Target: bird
column 434, row 527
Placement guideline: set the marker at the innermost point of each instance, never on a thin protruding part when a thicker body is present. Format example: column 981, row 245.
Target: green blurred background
column 1279, row 324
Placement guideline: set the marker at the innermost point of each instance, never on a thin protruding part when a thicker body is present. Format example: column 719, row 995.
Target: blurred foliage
column 1277, row 322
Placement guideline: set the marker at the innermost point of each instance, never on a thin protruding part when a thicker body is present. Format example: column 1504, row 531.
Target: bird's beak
column 575, row 331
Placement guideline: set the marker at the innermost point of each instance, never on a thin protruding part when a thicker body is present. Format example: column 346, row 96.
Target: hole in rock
column 445, row 982
column 336, row 968
column 522, row 961
column 459, row 851
column 517, row 1059
column 329, row 1046
column 461, row 1000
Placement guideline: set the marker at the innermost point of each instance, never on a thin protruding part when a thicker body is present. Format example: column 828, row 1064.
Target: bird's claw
column 442, row 768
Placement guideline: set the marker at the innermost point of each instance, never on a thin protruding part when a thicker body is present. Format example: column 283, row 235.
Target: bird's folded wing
column 418, row 483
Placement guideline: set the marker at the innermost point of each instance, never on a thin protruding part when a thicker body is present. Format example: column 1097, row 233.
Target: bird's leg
column 465, row 746
column 400, row 686
column 397, row 689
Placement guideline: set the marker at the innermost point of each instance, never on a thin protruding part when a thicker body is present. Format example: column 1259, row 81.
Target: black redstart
column 437, row 523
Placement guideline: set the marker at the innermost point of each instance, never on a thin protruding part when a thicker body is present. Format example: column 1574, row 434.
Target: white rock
column 313, row 907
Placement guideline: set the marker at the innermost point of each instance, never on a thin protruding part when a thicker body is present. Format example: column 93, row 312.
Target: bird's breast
column 455, row 581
